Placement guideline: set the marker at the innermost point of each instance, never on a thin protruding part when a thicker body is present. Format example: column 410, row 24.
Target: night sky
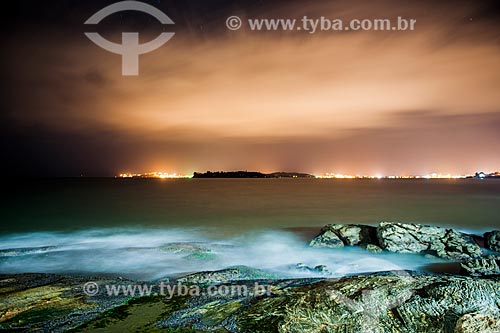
column 364, row 102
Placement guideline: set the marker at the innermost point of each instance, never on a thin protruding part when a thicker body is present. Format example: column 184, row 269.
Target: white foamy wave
column 158, row 253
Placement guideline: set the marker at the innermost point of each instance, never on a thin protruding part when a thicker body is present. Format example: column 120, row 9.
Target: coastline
column 392, row 300
column 402, row 301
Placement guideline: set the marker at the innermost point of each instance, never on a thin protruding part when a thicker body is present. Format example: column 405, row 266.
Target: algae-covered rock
column 50, row 303
column 399, row 302
column 478, row 322
column 227, row 274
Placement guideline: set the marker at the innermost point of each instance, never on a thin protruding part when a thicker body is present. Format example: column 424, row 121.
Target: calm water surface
column 239, row 205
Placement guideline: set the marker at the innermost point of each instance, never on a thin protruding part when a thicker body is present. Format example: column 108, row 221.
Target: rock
column 225, row 275
column 25, row 250
column 372, row 248
column 478, row 323
column 185, row 248
column 348, row 234
column 322, row 269
column 327, row 238
column 480, row 267
column 415, row 238
column 52, row 303
column 201, row 256
column 301, row 267
column 492, row 240
column 376, row 303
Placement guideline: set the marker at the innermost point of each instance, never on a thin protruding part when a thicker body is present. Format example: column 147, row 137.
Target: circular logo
column 233, row 23
column 90, row 289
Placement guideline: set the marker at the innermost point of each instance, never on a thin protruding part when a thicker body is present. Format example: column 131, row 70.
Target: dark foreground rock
column 50, row 303
column 403, row 302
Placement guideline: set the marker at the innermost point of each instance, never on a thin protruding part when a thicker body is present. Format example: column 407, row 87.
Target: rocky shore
column 397, row 301
column 418, row 238
column 382, row 302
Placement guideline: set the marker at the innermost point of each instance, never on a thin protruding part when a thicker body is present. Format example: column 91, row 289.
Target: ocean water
column 132, row 227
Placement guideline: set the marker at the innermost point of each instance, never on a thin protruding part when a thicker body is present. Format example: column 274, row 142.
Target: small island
column 251, row 174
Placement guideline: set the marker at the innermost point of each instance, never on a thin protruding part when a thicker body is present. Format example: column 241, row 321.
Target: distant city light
column 479, row 175
column 161, row 175
column 379, row 176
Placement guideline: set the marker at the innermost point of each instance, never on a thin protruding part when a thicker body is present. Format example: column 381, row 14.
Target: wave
column 143, row 253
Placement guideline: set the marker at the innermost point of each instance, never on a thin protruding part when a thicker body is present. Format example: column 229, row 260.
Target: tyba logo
column 129, row 49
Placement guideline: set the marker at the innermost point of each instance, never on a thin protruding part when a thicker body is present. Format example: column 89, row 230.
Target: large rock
column 377, row 303
column 492, row 240
column 347, row 234
column 415, row 238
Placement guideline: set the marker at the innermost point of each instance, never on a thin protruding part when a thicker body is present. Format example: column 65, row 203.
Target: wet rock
column 302, row 267
column 377, row 303
column 348, row 234
column 321, row 269
column 201, row 256
column 225, row 275
column 492, row 240
column 478, row 323
column 480, row 267
column 415, row 238
column 185, row 248
column 438, row 306
column 51, row 303
column 25, row 250
column 372, row 248
column 327, row 238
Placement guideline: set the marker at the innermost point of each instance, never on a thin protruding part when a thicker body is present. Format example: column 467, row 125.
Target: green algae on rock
column 402, row 302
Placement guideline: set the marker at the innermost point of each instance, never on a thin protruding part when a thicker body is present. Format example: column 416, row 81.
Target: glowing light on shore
column 379, row 176
column 156, row 174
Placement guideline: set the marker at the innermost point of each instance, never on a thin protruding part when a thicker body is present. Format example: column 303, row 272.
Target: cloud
column 213, row 99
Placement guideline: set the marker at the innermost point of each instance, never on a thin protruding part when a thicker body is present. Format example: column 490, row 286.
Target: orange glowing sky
column 362, row 102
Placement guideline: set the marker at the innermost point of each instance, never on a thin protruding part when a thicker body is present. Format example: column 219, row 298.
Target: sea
column 158, row 228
